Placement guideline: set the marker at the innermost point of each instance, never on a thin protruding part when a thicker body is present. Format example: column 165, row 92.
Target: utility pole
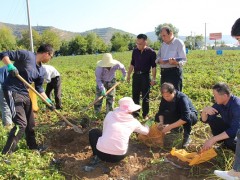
column 205, row 36
column 30, row 27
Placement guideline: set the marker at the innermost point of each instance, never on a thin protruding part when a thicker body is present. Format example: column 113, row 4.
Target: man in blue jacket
column 176, row 110
column 29, row 66
column 223, row 117
column 234, row 173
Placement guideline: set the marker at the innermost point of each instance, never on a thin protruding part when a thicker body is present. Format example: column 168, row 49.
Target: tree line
column 80, row 45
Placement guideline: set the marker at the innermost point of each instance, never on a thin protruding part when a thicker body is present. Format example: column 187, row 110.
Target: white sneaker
column 225, row 175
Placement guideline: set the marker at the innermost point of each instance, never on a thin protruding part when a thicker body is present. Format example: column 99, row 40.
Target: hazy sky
column 134, row 16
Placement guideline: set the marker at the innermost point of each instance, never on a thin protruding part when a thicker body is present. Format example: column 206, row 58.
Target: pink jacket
column 117, row 128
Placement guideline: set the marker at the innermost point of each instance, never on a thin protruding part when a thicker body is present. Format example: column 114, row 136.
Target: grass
column 204, row 68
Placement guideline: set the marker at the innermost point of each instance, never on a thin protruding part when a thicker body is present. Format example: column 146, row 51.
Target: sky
column 133, row 16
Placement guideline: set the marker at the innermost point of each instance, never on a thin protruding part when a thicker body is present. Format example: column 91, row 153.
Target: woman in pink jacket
column 111, row 144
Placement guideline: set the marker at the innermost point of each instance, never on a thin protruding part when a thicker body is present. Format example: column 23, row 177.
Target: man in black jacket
column 176, row 110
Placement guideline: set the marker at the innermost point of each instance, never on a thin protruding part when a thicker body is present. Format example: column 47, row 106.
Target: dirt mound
column 73, row 152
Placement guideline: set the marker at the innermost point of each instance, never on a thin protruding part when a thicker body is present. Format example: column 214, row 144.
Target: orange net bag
column 155, row 137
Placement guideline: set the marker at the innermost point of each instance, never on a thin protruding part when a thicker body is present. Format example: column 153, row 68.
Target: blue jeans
column 6, row 113
column 236, row 165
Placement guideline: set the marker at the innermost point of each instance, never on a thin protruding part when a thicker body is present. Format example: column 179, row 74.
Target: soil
column 72, row 152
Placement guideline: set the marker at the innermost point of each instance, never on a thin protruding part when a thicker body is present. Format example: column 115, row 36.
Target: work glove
column 103, row 92
column 12, row 70
column 52, row 107
column 123, row 78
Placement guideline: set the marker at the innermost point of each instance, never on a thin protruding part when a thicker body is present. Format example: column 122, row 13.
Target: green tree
column 51, row 37
column 101, row 46
column 64, row 48
column 91, row 39
column 25, row 40
column 7, row 39
column 120, row 42
column 159, row 27
column 189, row 42
column 156, row 45
column 95, row 44
column 78, row 45
column 194, row 42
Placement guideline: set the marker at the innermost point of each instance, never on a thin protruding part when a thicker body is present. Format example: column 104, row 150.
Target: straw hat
column 127, row 104
column 107, row 61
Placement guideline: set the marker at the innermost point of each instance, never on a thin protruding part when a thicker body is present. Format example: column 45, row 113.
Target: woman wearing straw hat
column 105, row 78
column 111, row 144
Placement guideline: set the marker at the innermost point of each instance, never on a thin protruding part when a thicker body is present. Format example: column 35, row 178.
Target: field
column 69, row 151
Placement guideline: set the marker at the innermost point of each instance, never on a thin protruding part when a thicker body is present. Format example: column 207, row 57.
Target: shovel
column 75, row 128
column 99, row 98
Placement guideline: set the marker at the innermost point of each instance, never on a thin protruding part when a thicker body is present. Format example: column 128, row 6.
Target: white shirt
column 49, row 72
column 175, row 49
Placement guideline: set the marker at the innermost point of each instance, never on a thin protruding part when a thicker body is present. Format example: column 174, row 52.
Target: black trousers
column 218, row 126
column 170, row 118
column 173, row 76
column 94, row 134
column 55, row 85
column 22, row 116
column 141, row 85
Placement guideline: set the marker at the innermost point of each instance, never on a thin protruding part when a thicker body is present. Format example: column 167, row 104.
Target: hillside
column 104, row 33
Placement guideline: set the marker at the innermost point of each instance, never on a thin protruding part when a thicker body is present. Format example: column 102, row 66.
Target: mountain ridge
column 104, row 33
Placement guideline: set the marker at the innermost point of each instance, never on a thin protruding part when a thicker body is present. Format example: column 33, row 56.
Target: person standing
column 29, row 66
column 53, row 80
column 171, row 57
column 6, row 113
column 105, row 79
column 143, row 61
column 176, row 110
column 235, row 172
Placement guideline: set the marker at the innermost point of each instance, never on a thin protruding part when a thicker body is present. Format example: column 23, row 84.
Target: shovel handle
column 44, row 100
column 99, row 98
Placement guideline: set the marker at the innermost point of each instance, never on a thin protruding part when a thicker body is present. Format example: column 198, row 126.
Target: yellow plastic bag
column 33, row 98
column 155, row 137
column 193, row 158
column 203, row 157
column 183, row 155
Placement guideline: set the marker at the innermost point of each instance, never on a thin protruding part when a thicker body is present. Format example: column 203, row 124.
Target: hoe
column 75, row 128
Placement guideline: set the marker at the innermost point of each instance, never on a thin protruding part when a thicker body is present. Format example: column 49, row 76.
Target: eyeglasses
column 50, row 55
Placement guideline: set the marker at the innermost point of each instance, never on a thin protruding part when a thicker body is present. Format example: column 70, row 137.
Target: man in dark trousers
column 176, row 110
column 143, row 61
column 223, row 117
column 53, row 80
column 234, row 173
column 171, row 57
column 29, row 66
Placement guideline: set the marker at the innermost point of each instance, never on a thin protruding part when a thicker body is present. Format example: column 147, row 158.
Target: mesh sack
column 155, row 137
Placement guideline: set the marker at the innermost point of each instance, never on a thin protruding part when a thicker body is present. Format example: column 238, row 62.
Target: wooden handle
column 44, row 100
column 99, row 98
